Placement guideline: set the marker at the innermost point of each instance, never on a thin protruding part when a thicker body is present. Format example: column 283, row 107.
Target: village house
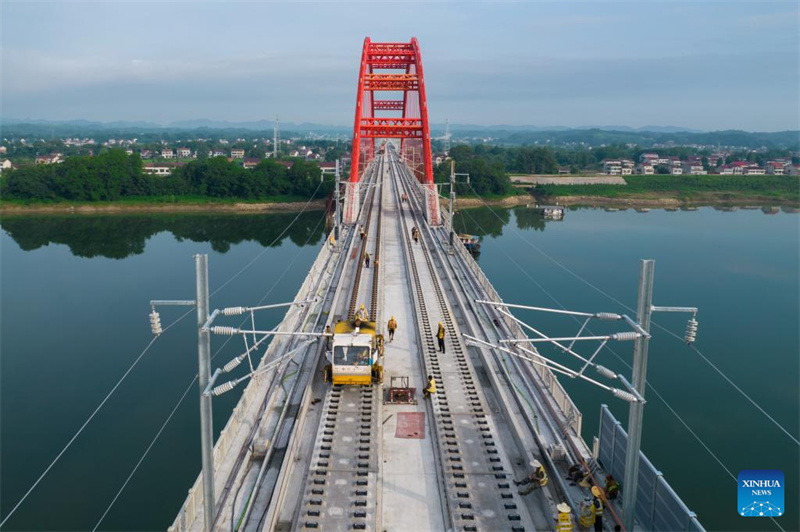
column 184, row 153
column 159, row 169
column 694, row 168
column 50, row 159
column 237, row 153
column 167, row 153
column 645, row 169
column 612, row 167
column 6, row 165
column 250, row 163
column 328, row 168
column 754, row 169
column 649, row 158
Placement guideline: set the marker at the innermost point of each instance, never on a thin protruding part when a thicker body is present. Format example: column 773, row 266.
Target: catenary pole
column 644, row 311
column 204, row 373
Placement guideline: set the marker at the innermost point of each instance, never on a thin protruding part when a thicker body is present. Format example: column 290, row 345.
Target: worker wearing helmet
column 361, row 313
column 392, row 326
column 440, row 337
column 536, row 478
column 586, row 512
column 564, row 520
column 598, row 508
column 430, row 389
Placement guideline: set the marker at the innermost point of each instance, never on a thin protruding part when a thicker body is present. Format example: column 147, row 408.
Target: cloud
column 30, row 71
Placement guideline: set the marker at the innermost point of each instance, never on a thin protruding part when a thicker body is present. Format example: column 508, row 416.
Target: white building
column 184, row 152
column 612, row 167
column 167, row 154
column 157, row 169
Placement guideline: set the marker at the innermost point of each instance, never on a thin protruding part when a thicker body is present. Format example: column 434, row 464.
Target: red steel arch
column 396, row 69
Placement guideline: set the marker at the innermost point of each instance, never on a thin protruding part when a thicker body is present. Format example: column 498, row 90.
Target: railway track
column 341, row 485
column 477, row 477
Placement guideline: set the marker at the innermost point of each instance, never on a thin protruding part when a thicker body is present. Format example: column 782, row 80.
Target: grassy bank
column 284, row 203
column 685, row 189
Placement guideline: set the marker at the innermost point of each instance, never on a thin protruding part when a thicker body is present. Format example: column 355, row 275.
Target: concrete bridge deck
column 301, row 454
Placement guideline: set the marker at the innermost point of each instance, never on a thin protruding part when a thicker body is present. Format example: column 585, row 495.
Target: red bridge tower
column 403, row 114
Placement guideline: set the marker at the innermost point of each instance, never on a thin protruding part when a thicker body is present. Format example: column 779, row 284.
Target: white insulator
column 227, row 331
column 222, row 388
column 233, row 311
column 625, row 396
column 605, row 372
column 155, row 323
column 233, row 363
column 691, row 331
column 607, row 316
column 625, row 336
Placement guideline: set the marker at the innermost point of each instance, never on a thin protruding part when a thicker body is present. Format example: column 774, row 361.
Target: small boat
column 471, row 242
column 554, row 212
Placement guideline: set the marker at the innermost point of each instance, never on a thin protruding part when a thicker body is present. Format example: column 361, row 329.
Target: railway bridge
column 300, row 453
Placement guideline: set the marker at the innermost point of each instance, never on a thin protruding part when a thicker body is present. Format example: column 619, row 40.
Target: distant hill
column 501, row 134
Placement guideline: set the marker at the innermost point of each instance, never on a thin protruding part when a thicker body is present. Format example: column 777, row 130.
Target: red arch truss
column 391, row 104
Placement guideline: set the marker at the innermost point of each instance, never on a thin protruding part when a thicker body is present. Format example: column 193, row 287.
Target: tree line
column 114, row 175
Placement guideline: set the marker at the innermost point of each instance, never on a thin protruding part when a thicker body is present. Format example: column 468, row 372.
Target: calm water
column 75, row 295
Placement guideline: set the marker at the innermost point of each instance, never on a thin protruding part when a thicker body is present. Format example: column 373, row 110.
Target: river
column 75, row 299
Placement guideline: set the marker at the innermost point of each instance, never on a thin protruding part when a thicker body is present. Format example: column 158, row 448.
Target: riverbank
column 667, row 201
column 143, row 208
column 663, row 201
column 650, row 200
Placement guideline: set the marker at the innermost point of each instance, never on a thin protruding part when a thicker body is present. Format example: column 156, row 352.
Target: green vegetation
column 488, row 167
column 114, row 176
column 785, row 188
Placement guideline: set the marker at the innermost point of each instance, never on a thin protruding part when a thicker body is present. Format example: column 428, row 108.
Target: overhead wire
column 136, row 361
column 255, row 259
column 189, row 387
column 612, row 298
column 649, row 384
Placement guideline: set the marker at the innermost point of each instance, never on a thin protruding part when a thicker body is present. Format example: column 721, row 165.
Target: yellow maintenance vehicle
column 356, row 354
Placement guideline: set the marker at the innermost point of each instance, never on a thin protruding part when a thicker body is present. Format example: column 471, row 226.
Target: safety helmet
column 362, row 305
column 535, row 464
column 563, row 508
column 440, row 324
column 596, row 491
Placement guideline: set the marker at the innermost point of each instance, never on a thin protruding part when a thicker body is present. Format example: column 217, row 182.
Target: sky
column 703, row 65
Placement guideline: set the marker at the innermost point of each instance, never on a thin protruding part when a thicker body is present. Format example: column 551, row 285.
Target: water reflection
column 483, row 221
column 117, row 237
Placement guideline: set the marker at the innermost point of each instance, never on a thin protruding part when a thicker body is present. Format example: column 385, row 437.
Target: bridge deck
column 330, row 458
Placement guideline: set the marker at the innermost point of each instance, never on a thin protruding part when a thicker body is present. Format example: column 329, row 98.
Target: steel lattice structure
column 403, row 114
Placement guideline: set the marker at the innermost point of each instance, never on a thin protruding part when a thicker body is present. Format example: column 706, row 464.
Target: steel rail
column 507, row 501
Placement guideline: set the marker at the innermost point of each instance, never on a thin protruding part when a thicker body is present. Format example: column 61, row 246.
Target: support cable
column 612, row 298
column 136, row 361
column 649, row 384
column 253, row 261
column 188, row 388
